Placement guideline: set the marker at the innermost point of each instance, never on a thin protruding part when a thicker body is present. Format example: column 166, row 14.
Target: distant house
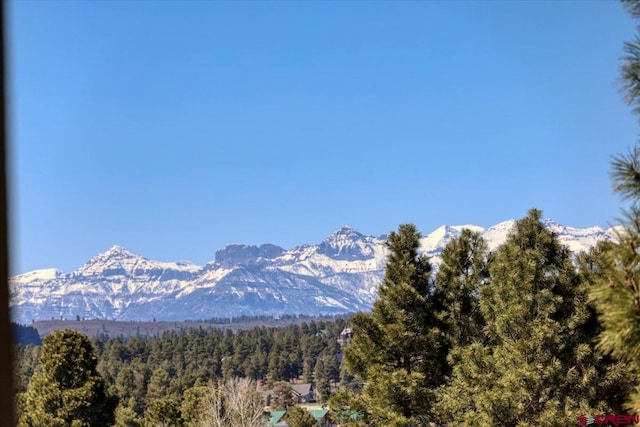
column 345, row 336
column 303, row 393
column 323, row 418
column 276, row 419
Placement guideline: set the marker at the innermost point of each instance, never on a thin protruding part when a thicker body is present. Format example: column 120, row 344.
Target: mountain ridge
column 340, row 274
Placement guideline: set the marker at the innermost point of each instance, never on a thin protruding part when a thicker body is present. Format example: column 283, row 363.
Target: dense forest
column 152, row 377
column 25, row 335
column 105, row 328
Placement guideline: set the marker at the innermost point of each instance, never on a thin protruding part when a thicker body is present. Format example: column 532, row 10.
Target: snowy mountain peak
column 441, row 231
column 347, row 232
column 38, row 275
column 504, row 226
column 562, row 229
column 548, row 223
column 346, row 244
column 497, row 234
column 554, row 227
column 117, row 251
column 115, row 259
column 578, row 239
column 118, row 261
column 433, row 243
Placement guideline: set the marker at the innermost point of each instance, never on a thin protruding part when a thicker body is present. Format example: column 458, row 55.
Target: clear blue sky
column 175, row 128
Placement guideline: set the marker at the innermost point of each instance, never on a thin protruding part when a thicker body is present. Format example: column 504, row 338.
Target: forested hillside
column 152, row 377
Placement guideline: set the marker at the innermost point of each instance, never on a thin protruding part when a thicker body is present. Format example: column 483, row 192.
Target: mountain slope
column 340, row 274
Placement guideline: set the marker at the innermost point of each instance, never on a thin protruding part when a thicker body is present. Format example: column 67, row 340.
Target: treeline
column 25, row 335
column 266, row 318
column 151, row 377
column 107, row 329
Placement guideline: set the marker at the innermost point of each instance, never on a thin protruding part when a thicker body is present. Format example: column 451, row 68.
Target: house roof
column 318, row 414
column 301, row 389
column 275, row 417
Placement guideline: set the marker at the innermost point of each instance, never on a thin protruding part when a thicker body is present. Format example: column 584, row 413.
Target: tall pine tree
column 68, row 391
column 397, row 350
column 617, row 297
column 460, row 275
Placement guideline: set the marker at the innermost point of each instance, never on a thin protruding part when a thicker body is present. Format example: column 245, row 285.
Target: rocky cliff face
column 236, row 255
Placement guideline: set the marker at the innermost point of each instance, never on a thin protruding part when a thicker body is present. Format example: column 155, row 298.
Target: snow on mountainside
column 38, row 276
column 433, row 243
column 340, row 274
column 578, row 239
column 118, row 260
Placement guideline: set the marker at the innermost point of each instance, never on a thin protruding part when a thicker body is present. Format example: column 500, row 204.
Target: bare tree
column 245, row 403
column 213, row 411
column 234, row 403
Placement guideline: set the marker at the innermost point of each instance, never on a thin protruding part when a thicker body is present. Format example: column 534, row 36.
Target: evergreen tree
column 322, row 379
column 282, row 396
column 349, row 412
column 126, row 417
column 617, row 297
column 68, row 390
column 163, row 412
column 614, row 383
column 535, row 362
column 191, row 408
column 348, row 381
column 159, row 384
column 299, row 417
column 460, row 275
column 125, row 383
column 397, row 350
column 25, row 335
column 307, row 369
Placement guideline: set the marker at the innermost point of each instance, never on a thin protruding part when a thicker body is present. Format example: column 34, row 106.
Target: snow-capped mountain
column 340, row 274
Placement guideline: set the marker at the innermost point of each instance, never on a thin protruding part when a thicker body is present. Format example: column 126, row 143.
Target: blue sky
column 175, row 128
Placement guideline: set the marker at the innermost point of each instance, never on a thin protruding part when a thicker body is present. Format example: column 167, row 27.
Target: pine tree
column 126, row 417
column 191, row 408
column 397, row 350
column 158, row 384
column 300, row 417
column 322, row 379
column 617, row 297
column 535, row 365
column 163, row 412
column 282, row 396
column 68, row 391
column 614, row 384
column 460, row 275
